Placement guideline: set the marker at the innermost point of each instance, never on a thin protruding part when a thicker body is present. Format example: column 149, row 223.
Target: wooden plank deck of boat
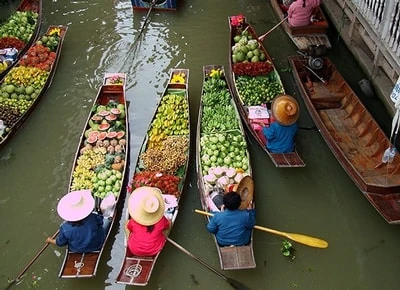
column 34, row 6
column 305, row 36
column 6, row 136
column 281, row 160
column 233, row 257
column 137, row 270
column 352, row 134
column 84, row 265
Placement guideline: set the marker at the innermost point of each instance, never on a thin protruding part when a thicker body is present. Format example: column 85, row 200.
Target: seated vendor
column 280, row 134
column 300, row 12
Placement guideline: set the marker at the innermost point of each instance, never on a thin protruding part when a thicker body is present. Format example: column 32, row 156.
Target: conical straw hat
column 146, row 205
column 285, row 110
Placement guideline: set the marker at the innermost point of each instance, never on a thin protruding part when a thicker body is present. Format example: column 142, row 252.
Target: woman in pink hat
column 146, row 227
column 83, row 230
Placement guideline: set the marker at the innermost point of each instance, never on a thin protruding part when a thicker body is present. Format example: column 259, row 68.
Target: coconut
column 210, row 179
column 231, row 172
column 219, row 171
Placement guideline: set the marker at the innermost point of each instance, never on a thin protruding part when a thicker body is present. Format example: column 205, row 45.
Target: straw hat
column 246, row 190
column 146, row 205
column 76, row 205
column 285, row 110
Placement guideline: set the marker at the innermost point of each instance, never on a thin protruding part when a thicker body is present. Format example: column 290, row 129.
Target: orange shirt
column 144, row 243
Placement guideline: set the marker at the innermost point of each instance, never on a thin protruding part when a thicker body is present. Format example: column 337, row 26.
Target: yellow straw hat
column 285, row 110
column 245, row 190
column 146, row 205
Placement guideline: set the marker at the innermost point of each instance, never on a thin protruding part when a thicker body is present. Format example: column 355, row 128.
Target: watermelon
column 111, row 135
column 97, row 118
column 111, row 117
column 92, row 139
column 103, row 113
column 93, row 134
column 102, row 136
column 103, row 127
column 120, row 134
column 115, row 111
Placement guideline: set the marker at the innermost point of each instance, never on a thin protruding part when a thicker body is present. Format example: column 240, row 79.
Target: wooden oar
column 303, row 239
column 261, row 38
column 16, row 279
column 235, row 284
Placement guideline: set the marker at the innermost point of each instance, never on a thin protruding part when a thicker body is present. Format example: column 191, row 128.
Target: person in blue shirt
column 83, row 230
column 281, row 133
column 232, row 226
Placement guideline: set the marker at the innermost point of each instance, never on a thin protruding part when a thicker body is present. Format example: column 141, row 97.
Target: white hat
column 146, row 205
column 76, row 205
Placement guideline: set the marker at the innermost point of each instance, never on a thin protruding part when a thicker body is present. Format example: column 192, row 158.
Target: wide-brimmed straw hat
column 285, row 110
column 246, row 191
column 76, row 205
column 146, row 205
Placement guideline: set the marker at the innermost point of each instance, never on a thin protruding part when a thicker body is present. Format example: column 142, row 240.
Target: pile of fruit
column 17, row 31
column 24, row 82
column 101, row 161
column 163, row 162
column 171, row 118
column 222, row 144
column 256, row 78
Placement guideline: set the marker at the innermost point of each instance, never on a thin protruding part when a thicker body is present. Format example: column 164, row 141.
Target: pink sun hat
column 76, row 205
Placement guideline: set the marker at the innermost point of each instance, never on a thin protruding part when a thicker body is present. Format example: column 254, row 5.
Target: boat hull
column 160, row 4
column 352, row 134
column 137, row 270
column 84, row 265
column 305, row 36
column 281, row 160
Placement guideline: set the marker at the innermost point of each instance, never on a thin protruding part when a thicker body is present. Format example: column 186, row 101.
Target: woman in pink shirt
column 300, row 11
column 146, row 227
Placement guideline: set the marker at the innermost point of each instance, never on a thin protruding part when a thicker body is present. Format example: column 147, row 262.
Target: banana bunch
column 216, row 73
column 178, row 78
column 3, row 66
column 84, row 171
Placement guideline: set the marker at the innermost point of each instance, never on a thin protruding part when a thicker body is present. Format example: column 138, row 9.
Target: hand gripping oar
column 235, row 284
column 16, row 279
column 262, row 37
column 302, row 239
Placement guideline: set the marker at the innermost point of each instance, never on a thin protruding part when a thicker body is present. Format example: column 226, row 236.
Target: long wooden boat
column 352, row 134
column 255, row 82
column 158, row 5
column 221, row 169
column 25, row 84
column 163, row 163
column 17, row 39
column 303, row 37
column 100, row 163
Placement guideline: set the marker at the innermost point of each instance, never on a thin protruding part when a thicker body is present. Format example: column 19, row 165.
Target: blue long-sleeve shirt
column 280, row 139
column 232, row 227
column 86, row 237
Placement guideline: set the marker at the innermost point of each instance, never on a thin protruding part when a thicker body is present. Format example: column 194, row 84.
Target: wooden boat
column 163, row 163
column 100, row 163
column 22, row 42
column 313, row 34
column 21, row 94
column 254, row 102
column 157, row 5
column 219, row 118
column 352, row 134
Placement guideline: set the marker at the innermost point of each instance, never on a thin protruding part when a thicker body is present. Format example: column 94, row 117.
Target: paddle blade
column 302, row 239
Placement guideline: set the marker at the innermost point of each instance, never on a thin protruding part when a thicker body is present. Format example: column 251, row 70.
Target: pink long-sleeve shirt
column 299, row 15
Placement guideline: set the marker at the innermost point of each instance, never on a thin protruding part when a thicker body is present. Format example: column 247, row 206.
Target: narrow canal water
column 318, row 200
